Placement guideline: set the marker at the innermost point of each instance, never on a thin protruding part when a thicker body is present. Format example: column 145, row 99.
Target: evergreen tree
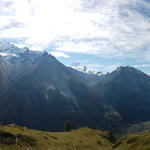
column 67, row 125
column 111, row 136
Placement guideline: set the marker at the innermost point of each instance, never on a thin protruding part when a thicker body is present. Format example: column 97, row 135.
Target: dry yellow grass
column 139, row 141
column 81, row 139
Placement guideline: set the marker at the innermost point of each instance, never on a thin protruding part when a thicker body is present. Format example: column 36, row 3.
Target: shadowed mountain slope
column 46, row 93
column 127, row 90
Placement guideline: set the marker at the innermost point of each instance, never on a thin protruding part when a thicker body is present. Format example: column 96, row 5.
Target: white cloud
column 59, row 54
column 141, row 66
column 106, row 28
column 3, row 54
column 97, row 67
column 105, row 68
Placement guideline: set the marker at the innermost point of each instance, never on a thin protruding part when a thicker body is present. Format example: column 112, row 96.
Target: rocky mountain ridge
column 38, row 91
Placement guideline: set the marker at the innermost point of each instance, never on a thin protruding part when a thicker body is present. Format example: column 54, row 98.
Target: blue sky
column 105, row 64
column 101, row 34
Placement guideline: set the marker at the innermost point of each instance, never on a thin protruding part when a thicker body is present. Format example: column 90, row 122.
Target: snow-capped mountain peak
column 83, row 68
column 9, row 50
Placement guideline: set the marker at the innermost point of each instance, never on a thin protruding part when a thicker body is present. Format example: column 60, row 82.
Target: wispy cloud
column 6, row 8
column 59, row 54
column 11, row 24
column 105, row 68
column 119, row 28
column 141, row 66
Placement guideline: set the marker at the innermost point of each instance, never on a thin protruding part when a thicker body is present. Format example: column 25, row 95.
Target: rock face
column 19, row 139
column 126, row 89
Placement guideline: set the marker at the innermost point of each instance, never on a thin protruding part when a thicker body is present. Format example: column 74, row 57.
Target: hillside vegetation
column 13, row 137
column 140, row 141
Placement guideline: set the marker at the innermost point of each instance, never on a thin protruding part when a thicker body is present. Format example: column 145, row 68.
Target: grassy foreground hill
column 140, row 141
column 13, row 137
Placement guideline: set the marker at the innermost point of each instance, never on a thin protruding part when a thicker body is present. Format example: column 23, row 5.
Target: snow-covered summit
column 83, row 68
column 8, row 49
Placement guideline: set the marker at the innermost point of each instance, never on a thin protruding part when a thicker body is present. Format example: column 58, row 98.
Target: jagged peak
column 129, row 69
column 6, row 45
column 26, row 49
column 45, row 55
column 83, row 68
column 126, row 68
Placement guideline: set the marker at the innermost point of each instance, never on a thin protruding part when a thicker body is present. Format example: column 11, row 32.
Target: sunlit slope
column 13, row 137
column 27, row 139
column 140, row 141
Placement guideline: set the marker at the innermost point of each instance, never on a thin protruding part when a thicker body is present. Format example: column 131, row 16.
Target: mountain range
column 39, row 92
column 83, row 68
